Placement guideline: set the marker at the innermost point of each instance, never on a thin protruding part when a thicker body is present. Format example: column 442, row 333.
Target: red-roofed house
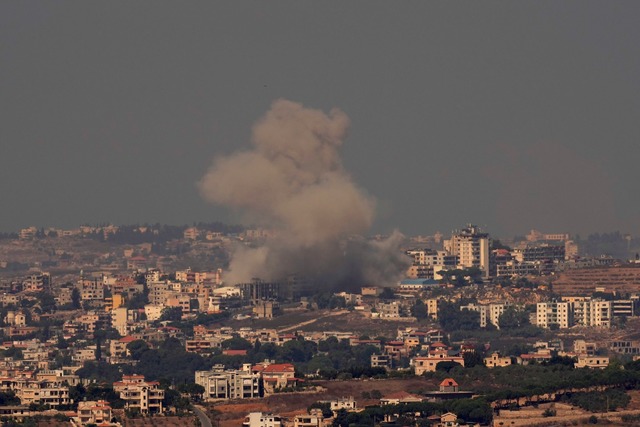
column 278, row 375
column 449, row 385
column 94, row 412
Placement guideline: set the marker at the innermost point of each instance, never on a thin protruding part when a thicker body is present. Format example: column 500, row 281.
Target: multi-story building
column 623, row 307
column 543, row 252
column 37, row 282
column 381, row 361
column 488, row 313
column 390, row 310
column 593, row 313
column 432, row 307
column 554, row 313
column 276, row 376
column 145, row 396
column 43, row 392
column 229, row 384
column 94, row 412
column 471, row 246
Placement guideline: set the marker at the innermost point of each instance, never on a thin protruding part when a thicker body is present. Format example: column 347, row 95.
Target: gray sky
column 512, row 115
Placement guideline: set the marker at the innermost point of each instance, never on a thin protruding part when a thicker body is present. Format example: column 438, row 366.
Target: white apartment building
column 593, row 313
column 554, row 313
column 488, row 313
column 229, row 384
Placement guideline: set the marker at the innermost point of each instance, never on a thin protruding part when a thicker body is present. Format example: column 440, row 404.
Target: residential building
column 313, row 419
column 553, row 313
column 422, row 364
column 381, row 361
column 259, row 419
column 229, row 384
column 594, row 362
column 471, row 246
column 94, row 412
column 145, row 396
column 277, row 376
column 495, row 360
column 346, row 403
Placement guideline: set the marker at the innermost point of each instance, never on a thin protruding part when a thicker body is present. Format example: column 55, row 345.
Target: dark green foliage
column 46, row 301
column 599, row 401
column 327, row 300
column 103, row 371
column 447, row 366
column 387, row 293
column 8, row 398
column 171, row 314
column 75, row 298
column 96, row 392
column 472, row 358
column 137, row 348
column 469, row 410
column 138, row 300
column 513, row 318
column 236, row 343
column 419, row 310
column 451, row 318
column 170, row 361
column 195, row 391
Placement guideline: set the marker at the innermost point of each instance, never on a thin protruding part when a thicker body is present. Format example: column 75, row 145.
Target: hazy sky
column 511, row 115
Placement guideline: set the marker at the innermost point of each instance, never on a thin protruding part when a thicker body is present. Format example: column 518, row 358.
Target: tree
column 419, row 310
column 236, row 343
column 447, row 366
column 451, row 318
column 472, row 358
column 137, row 348
column 171, row 314
column 387, row 293
column 47, row 302
column 513, row 318
column 75, row 298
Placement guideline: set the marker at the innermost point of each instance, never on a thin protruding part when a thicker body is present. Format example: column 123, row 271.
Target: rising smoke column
column 293, row 181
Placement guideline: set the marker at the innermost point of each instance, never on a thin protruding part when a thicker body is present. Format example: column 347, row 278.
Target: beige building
column 495, row 360
column 146, row 396
column 471, row 246
column 593, row 362
column 94, row 412
column 313, row 419
column 429, row 363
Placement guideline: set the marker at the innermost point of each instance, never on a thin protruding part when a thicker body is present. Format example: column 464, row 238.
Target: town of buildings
column 70, row 286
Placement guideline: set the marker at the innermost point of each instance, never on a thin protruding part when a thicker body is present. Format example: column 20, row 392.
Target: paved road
column 202, row 416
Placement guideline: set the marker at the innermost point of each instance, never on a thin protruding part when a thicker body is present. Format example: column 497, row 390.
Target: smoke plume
column 293, row 181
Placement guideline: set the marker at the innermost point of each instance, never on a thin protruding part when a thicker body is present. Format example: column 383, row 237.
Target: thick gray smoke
column 293, row 181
